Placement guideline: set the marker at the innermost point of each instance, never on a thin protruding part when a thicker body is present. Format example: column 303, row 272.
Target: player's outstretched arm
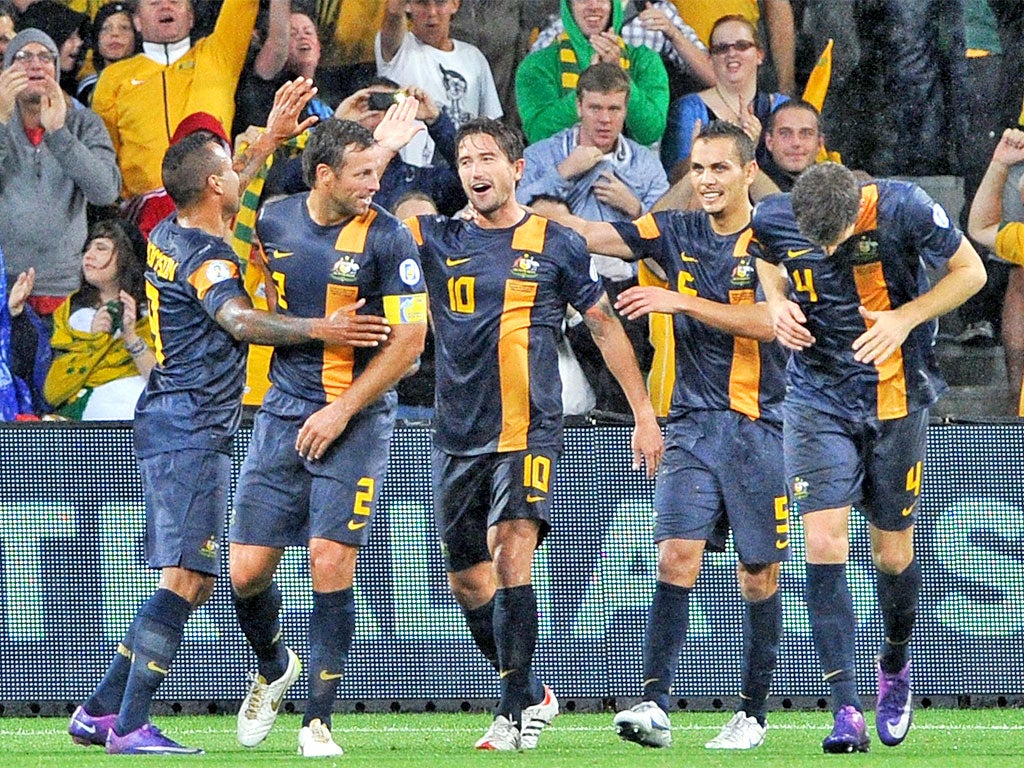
column 601, row 236
column 888, row 330
column 342, row 328
column 787, row 318
column 750, row 321
column 382, row 373
column 647, row 443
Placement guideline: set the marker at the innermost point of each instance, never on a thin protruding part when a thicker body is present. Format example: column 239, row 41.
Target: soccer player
column 860, row 381
column 320, row 441
column 499, row 287
column 723, row 461
column 184, row 425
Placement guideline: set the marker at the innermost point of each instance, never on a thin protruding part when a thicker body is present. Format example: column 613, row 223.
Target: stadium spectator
column 502, row 29
column 722, row 337
column 184, row 425
column 988, row 226
column 114, row 38
column 24, row 350
column 856, row 407
column 68, row 29
column 295, row 34
column 54, row 160
column 143, row 98
column 347, row 31
column 658, row 26
column 7, row 31
column 776, row 17
column 498, row 424
column 793, row 139
column 315, row 466
column 736, row 54
column 101, row 340
column 454, row 73
column 599, row 175
column 546, row 80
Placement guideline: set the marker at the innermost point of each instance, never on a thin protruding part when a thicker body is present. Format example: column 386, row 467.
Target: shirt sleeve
column 1010, row 242
column 927, row 223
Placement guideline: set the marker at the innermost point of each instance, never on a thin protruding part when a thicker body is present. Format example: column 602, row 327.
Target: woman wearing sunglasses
column 736, row 53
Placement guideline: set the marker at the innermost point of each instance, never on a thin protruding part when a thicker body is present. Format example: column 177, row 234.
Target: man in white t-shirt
column 423, row 53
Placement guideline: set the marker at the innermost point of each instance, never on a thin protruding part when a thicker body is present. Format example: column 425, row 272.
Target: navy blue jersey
column 714, row 370
column 193, row 398
column 900, row 232
column 498, row 298
column 313, row 270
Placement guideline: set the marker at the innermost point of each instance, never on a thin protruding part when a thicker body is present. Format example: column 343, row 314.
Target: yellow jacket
column 142, row 102
column 86, row 360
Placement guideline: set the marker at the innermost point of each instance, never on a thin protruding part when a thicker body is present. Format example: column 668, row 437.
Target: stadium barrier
column 73, row 573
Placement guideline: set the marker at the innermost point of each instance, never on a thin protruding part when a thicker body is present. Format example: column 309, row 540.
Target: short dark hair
column 806, row 106
column 412, row 194
column 603, row 78
column 826, row 201
column 508, row 139
column 187, row 165
column 722, row 129
column 327, row 146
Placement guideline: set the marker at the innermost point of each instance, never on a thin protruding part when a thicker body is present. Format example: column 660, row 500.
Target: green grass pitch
column 940, row 738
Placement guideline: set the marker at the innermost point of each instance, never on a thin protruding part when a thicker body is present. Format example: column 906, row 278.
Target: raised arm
column 392, row 29
column 274, row 52
column 987, row 209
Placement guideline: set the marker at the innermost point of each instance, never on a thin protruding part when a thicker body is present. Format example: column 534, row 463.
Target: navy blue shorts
column 724, row 470
column 186, row 504
column 472, row 493
column 284, row 500
column 832, row 463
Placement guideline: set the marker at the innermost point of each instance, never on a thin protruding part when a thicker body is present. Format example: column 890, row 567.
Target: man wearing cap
column 143, row 98
column 53, row 162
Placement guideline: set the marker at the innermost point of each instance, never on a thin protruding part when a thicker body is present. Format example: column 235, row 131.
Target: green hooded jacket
column 546, row 106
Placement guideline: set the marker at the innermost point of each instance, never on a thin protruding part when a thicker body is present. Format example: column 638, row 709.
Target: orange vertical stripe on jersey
column 867, row 218
column 339, row 362
column 514, row 363
column 662, row 378
column 529, row 236
column 413, row 224
column 892, row 380
column 352, row 237
column 745, row 373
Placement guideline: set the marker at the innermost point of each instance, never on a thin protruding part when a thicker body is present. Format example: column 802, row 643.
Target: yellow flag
column 817, row 83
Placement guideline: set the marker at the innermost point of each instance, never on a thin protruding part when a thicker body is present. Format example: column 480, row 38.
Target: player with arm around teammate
column 842, row 265
column 184, row 424
column 723, row 460
column 499, row 287
column 319, row 452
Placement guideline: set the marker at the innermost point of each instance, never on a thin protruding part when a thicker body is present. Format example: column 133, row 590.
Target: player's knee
column 758, row 582
column 204, row 592
column 331, row 564
column 892, row 560
column 679, row 565
column 249, row 575
column 473, row 586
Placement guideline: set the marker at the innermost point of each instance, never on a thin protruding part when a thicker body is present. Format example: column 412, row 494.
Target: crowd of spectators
column 608, row 93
